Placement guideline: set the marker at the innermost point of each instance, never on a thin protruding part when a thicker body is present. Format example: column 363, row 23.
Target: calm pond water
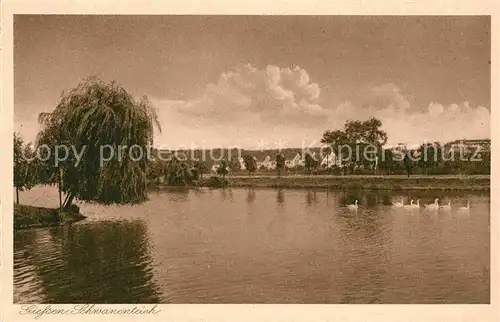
column 259, row 246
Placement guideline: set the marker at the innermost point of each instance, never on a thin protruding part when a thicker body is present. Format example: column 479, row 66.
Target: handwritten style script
column 39, row 311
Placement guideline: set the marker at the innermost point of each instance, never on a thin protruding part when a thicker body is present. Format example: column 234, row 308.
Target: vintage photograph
column 267, row 159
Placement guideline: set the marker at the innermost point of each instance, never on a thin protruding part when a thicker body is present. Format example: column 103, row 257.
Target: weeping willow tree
column 179, row 173
column 99, row 121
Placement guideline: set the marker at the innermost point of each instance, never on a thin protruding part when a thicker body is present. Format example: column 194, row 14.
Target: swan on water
column 433, row 206
column 446, row 207
column 398, row 204
column 467, row 208
column 354, row 206
column 409, row 206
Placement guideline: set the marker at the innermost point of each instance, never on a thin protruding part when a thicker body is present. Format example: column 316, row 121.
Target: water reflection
column 226, row 194
column 227, row 246
column 250, row 195
column 387, row 200
column 176, row 194
column 311, row 197
column 79, row 264
column 371, row 200
column 280, row 196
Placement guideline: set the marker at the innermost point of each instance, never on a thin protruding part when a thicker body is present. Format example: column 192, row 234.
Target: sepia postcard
column 267, row 161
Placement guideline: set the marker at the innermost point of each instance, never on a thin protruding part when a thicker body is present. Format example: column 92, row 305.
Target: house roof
column 289, row 154
column 471, row 142
column 229, row 154
column 329, row 155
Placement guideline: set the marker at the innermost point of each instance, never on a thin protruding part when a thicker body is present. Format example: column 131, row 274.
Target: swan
column 417, row 205
column 464, row 208
column 433, row 206
column 409, row 206
column 446, row 207
column 398, row 204
column 353, row 207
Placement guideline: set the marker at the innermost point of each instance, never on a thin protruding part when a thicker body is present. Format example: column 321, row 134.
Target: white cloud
column 437, row 123
column 391, row 94
column 247, row 105
column 276, row 94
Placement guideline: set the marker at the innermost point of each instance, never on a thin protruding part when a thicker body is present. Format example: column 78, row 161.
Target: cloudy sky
column 266, row 81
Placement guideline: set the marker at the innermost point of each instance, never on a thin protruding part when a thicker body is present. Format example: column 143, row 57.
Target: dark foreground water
column 259, row 246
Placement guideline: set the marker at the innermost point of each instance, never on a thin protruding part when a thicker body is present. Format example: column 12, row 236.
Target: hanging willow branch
column 95, row 115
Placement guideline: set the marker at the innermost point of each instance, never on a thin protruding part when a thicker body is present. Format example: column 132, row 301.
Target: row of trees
column 385, row 161
column 357, row 136
column 179, row 172
column 26, row 173
column 429, row 158
column 434, row 158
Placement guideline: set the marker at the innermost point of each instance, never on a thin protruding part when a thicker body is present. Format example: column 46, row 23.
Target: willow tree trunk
column 60, row 198
column 17, row 195
column 60, row 193
column 68, row 200
column 59, row 187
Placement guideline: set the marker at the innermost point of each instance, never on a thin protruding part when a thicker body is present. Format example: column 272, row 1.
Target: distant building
column 329, row 160
column 266, row 163
column 292, row 158
column 242, row 163
column 470, row 146
column 215, row 167
column 296, row 161
column 401, row 146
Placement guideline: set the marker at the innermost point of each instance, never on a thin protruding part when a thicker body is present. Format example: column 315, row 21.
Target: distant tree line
column 26, row 173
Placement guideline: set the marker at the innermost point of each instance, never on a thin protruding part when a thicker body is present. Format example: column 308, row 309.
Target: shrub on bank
column 214, row 182
column 28, row 216
column 31, row 217
column 73, row 209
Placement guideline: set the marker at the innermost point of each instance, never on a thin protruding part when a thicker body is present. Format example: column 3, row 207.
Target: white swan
column 417, row 205
column 446, row 207
column 409, row 206
column 353, row 207
column 433, row 206
column 464, row 208
column 398, row 204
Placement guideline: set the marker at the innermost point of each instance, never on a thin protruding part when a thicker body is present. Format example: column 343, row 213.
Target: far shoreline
column 363, row 182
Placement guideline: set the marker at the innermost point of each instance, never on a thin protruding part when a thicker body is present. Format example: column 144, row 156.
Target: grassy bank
column 476, row 183
column 393, row 182
column 37, row 217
